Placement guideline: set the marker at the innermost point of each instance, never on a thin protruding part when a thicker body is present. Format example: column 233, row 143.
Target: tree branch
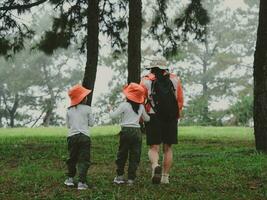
column 38, row 119
column 24, row 6
column 3, row 14
column 5, row 102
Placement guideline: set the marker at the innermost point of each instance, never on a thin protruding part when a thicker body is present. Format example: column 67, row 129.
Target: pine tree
column 260, row 81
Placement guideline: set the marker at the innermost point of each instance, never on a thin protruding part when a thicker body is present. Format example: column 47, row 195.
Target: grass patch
column 209, row 163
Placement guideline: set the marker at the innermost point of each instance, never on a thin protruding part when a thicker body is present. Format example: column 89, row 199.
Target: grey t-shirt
column 129, row 117
column 78, row 119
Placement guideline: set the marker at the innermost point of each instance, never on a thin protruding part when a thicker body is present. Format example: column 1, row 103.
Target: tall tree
column 76, row 22
column 10, row 25
column 52, row 82
column 134, row 41
column 26, row 101
column 78, row 17
column 192, row 20
column 169, row 30
column 260, row 81
column 15, row 91
column 217, row 69
column 92, row 46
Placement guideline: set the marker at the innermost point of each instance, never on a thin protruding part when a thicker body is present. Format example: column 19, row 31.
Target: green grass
column 53, row 132
column 209, row 163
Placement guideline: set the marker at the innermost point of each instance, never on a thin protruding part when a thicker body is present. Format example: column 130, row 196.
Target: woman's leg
column 153, row 155
column 167, row 158
column 167, row 162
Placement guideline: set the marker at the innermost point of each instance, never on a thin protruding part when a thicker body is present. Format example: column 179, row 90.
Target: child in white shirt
column 130, row 135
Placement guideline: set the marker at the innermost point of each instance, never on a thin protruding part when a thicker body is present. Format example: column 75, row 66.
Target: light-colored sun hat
column 134, row 92
column 77, row 93
column 160, row 63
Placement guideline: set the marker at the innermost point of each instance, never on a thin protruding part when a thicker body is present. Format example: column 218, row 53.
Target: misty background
column 217, row 74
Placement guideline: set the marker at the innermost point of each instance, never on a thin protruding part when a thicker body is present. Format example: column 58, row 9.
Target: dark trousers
column 79, row 154
column 130, row 145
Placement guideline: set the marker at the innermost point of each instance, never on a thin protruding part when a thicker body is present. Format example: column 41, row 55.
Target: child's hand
column 109, row 107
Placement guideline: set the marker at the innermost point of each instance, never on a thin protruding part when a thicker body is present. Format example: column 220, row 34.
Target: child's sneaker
column 82, row 186
column 130, row 182
column 165, row 179
column 119, row 180
column 156, row 175
column 69, row 182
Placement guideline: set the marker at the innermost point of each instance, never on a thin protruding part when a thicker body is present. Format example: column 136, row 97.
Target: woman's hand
column 109, row 107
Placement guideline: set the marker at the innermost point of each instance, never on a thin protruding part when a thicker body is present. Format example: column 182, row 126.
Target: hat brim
column 78, row 100
column 160, row 67
column 132, row 97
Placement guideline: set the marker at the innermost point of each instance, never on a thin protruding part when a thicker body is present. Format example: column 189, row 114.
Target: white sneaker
column 165, row 179
column 82, row 186
column 69, row 182
column 119, row 180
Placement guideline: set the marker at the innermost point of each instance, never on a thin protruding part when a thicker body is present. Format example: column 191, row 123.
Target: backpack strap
column 173, row 89
column 148, row 99
column 153, row 107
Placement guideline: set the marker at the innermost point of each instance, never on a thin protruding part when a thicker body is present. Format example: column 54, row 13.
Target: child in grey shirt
column 130, row 142
column 79, row 116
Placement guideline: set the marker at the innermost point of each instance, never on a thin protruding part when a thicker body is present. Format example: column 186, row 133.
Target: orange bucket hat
column 77, row 93
column 134, row 92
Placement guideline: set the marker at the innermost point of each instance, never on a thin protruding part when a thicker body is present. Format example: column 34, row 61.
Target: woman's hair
column 159, row 73
column 135, row 106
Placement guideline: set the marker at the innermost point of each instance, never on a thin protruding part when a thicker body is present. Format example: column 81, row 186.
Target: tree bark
column 205, row 95
column 13, row 110
column 50, row 104
column 260, row 81
column 134, row 41
column 22, row 6
column 48, row 116
column 92, row 47
column 1, row 109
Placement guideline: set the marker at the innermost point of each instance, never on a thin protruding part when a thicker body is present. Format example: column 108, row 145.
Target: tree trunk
column 134, row 41
column 1, row 111
column 12, row 111
column 205, row 98
column 50, row 104
column 205, row 95
column 48, row 114
column 260, row 81
column 92, row 47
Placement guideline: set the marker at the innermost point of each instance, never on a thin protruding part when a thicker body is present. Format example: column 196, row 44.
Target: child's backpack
column 163, row 95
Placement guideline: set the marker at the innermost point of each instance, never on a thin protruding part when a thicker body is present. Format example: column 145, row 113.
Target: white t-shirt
column 129, row 117
column 78, row 119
